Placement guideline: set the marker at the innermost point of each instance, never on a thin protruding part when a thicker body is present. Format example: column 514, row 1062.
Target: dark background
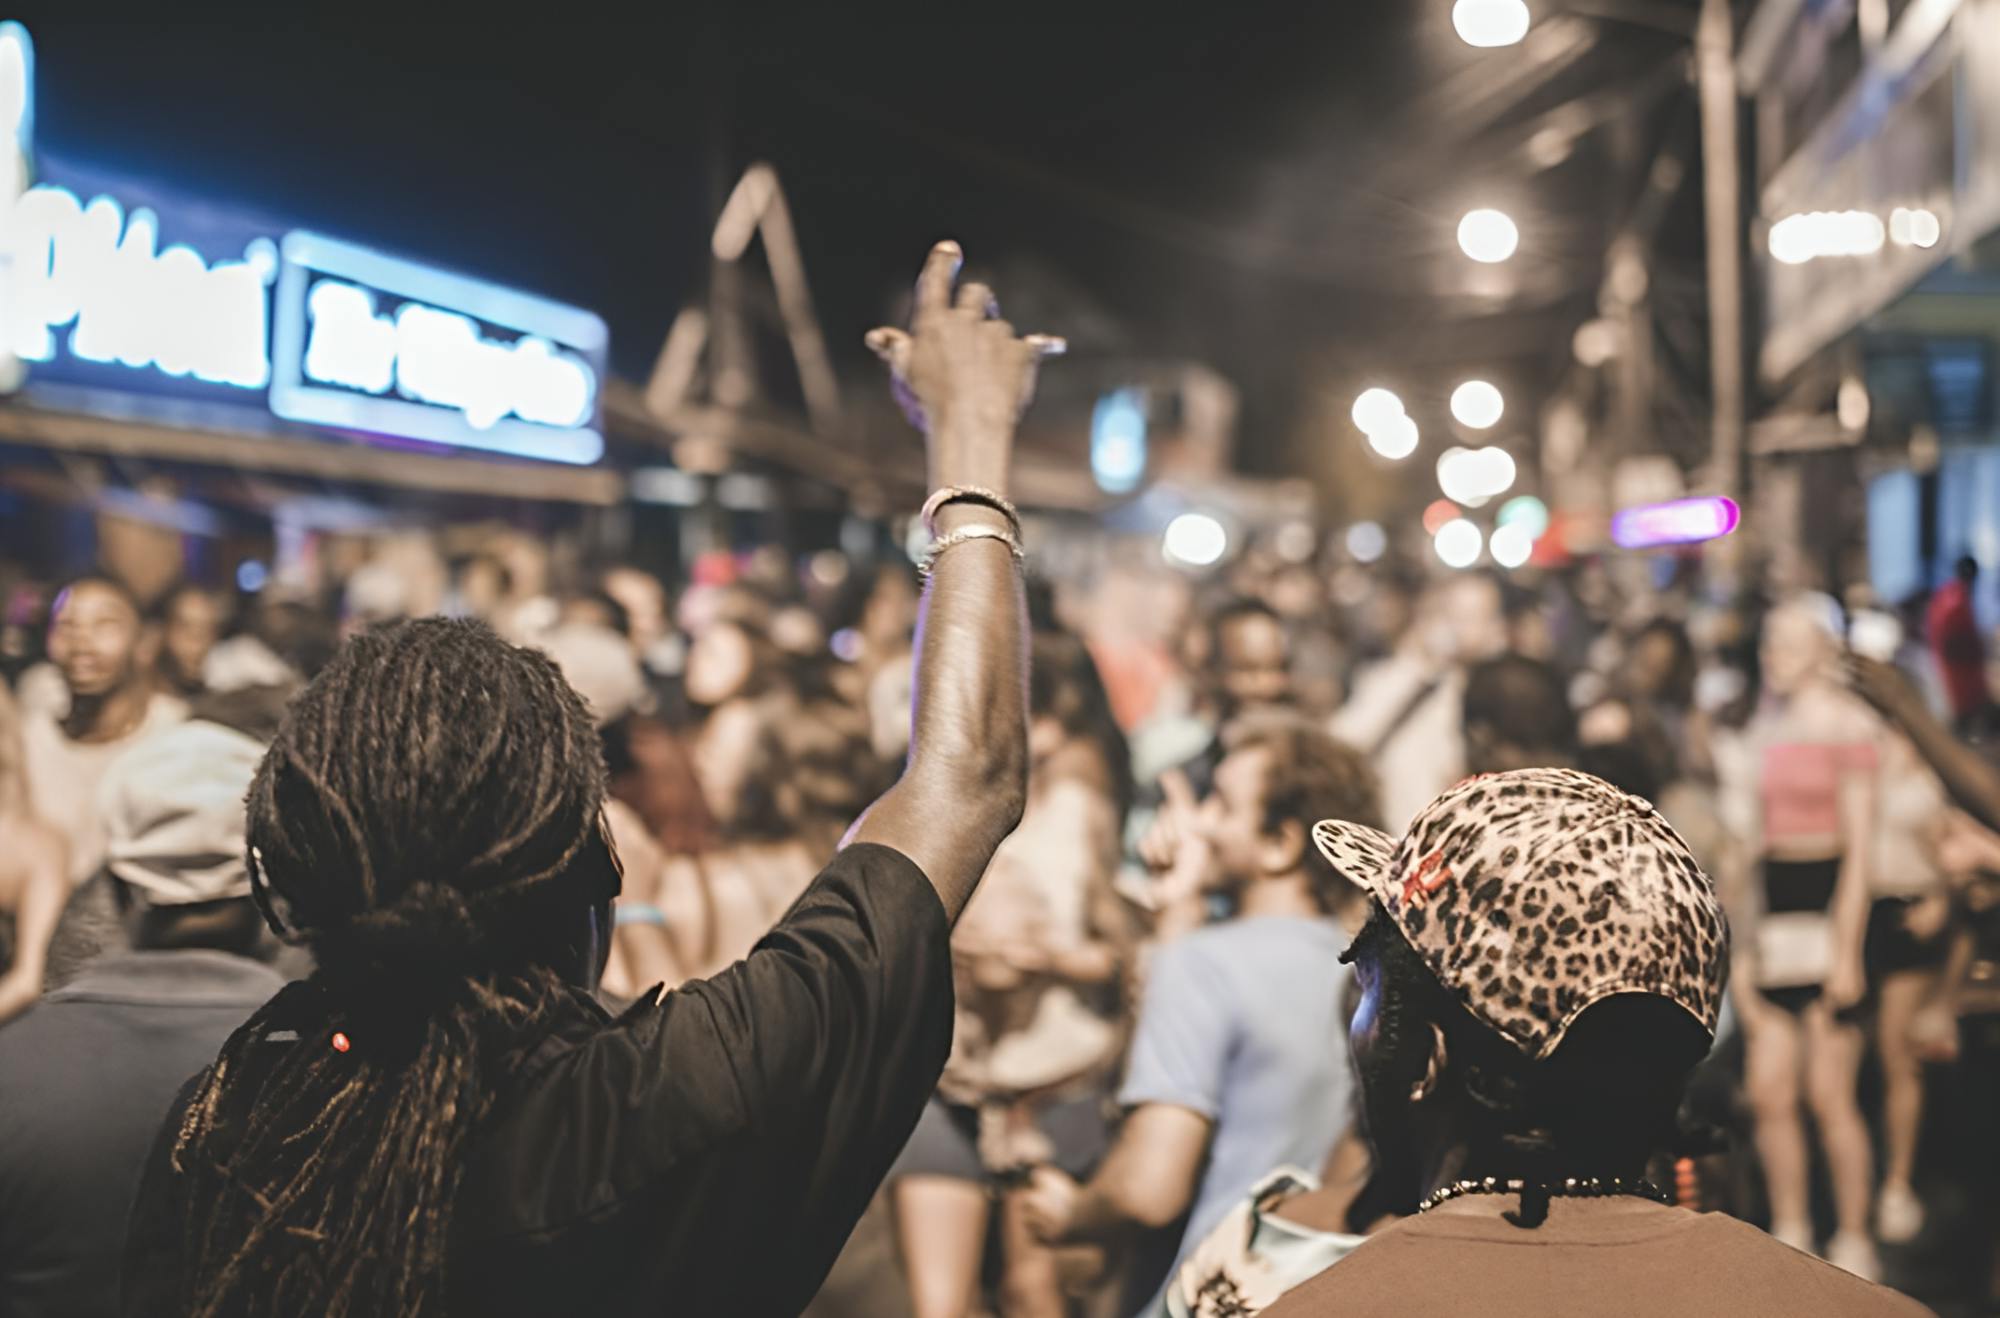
column 1269, row 189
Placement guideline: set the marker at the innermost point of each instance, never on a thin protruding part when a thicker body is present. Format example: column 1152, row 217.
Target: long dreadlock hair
column 428, row 823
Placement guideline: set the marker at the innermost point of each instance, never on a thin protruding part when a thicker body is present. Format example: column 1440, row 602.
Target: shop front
column 1878, row 170
column 157, row 341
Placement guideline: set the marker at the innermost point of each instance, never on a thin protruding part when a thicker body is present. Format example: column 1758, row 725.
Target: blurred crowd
column 1148, row 1106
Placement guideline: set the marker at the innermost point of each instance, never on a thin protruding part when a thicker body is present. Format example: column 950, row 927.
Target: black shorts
column 946, row 1140
column 1793, row 999
column 1891, row 948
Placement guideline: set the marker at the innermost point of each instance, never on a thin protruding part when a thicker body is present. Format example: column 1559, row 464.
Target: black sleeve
column 846, row 1005
column 762, row 1105
column 150, row 1281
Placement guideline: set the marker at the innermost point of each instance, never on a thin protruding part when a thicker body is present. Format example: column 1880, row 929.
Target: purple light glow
column 1682, row 522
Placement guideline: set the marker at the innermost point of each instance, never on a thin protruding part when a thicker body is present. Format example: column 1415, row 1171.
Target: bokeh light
column 1376, row 408
column 1478, row 404
column 1457, row 543
column 1526, row 512
column 1438, row 513
column 1196, row 540
column 1488, row 236
column 1366, row 541
column 1471, row 476
column 1396, row 440
column 1511, row 545
column 1490, row 23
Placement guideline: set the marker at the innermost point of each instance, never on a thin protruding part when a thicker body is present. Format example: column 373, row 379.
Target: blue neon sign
column 368, row 342
column 100, row 274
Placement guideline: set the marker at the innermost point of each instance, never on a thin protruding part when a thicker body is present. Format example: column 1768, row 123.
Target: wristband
column 637, row 913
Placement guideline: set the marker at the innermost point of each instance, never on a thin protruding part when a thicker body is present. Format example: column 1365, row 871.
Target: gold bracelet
column 978, row 494
column 965, row 535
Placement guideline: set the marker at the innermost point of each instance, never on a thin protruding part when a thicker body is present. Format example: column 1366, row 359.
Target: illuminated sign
column 17, row 132
column 136, row 291
column 365, row 342
column 1682, row 522
column 98, row 272
column 1118, row 441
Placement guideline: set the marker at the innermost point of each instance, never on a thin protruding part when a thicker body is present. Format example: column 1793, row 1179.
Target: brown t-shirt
column 1593, row 1256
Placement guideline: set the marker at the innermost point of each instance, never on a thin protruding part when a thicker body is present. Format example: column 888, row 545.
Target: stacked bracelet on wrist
column 978, row 494
column 965, row 535
column 985, row 498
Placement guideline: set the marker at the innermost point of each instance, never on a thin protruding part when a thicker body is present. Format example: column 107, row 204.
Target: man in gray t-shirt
column 1238, row 1064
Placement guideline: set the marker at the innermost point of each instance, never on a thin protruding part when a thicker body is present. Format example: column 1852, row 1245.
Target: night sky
column 1265, row 188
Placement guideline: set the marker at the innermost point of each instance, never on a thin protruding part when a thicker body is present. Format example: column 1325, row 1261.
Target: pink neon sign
column 1681, row 522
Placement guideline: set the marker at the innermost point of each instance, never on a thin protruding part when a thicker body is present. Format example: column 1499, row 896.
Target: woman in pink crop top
column 1800, row 925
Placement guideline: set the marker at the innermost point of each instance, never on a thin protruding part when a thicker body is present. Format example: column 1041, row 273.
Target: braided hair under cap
column 428, row 823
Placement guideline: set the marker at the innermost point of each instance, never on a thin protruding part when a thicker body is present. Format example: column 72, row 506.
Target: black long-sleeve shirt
column 708, row 1154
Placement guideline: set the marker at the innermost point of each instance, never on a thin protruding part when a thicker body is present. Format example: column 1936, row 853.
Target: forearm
column 1086, row 963
column 964, row 378
column 42, row 900
column 1972, row 782
column 1106, row 1208
column 1850, row 906
column 1851, row 888
column 963, row 789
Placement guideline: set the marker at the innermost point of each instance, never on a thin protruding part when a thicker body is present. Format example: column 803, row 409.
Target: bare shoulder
column 29, row 847
column 1845, row 717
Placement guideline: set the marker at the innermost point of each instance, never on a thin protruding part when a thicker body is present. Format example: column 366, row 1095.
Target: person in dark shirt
column 86, row 1074
column 442, row 1120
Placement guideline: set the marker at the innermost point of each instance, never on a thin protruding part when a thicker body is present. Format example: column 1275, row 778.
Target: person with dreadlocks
column 1541, row 970
column 441, row 1120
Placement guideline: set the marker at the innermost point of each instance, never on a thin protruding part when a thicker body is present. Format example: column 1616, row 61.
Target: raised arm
column 964, row 377
column 1973, row 783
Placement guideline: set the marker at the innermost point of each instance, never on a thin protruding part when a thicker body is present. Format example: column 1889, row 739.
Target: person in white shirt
column 1405, row 710
column 101, row 646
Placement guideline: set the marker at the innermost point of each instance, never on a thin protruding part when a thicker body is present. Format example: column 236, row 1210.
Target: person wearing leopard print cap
column 1542, row 968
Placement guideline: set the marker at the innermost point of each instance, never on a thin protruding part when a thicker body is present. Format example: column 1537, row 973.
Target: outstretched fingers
column 979, row 300
column 934, row 284
column 892, row 346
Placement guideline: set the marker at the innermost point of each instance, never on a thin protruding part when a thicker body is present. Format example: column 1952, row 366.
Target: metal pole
column 1716, row 72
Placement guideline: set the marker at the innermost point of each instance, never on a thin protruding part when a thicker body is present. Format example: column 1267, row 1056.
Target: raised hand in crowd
column 963, row 376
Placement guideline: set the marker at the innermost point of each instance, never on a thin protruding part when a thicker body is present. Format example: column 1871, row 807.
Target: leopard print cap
column 1536, row 893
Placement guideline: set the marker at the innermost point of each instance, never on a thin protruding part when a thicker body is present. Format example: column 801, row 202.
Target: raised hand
column 1884, row 687
column 961, row 374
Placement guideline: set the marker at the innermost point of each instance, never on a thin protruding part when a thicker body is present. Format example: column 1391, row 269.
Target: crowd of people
column 459, row 935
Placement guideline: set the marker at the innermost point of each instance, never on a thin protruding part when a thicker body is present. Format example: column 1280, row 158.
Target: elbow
column 987, row 782
column 1153, row 1211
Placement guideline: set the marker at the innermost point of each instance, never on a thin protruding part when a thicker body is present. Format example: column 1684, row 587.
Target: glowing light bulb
column 1195, row 539
column 1472, row 476
column 1396, row 440
column 1457, row 543
column 1488, row 236
column 1376, row 408
column 1477, row 404
column 1511, row 545
column 1490, row 23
